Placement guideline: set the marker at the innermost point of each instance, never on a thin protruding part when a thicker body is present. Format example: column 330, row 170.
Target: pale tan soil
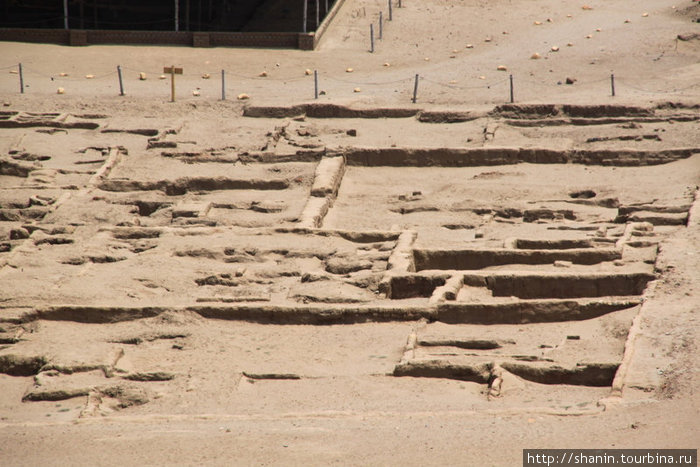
column 184, row 298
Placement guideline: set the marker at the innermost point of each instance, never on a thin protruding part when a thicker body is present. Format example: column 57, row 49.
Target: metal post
column 399, row 3
column 391, row 14
column 326, row 10
column 381, row 25
column 318, row 12
column 315, row 84
column 121, row 83
column 612, row 84
column 511, row 90
column 371, row 38
column 172, row 83
column 65, row 14
column 177, row 15
column 223, row 85
column 21, row 80
column 306, row 10
column 415, row 90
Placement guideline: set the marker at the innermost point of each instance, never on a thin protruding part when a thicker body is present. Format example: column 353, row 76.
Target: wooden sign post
column 173, row 71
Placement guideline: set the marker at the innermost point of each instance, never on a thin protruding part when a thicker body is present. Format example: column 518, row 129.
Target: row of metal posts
column 316, row 91
column 381, row 25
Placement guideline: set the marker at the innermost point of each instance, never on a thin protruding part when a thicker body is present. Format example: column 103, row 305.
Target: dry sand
column 443, row 283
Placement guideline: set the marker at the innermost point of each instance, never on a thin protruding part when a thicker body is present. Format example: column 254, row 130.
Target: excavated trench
column 479, row 259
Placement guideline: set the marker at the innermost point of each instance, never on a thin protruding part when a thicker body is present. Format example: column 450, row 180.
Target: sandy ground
column 183, row 285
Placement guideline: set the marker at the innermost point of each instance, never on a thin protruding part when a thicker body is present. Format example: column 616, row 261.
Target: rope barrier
column 364, row 83
column 647, row 91
column 455, row 86
column 521, row 83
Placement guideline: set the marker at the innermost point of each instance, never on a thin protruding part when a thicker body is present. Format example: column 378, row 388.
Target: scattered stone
column 589, row 36
column 488, row 39
column 161, row 77
column 308, row 72
column 89, row 76
column 427, row 59
column 688, row 36
column 619, row 262
column 60, row 91
column 586, row 7
column 574, row 338
column 19, row 233
column 478, row 233
column 562, row 264
column 142, row 76
column 535, row 56
column 206, row 76
column 550, row 20
column 645, row 14
column 314, row 277
column 243, row 96
column 357, row 90
column 598, row 29
column 263, row 74
column 387, row 64
column 63, row 74
column 351, row 132
column 195, row 92
column 502, row 68
column 627, row 21
column 570, row 80
column 150, row 376
column 555, row 48
column 470, row 46
column 341, row 265
column 349, row 70
column 570, row 44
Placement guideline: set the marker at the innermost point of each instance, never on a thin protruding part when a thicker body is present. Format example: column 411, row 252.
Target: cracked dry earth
column 313, row 282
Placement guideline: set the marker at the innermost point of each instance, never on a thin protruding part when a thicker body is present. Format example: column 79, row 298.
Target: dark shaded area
column 159, row 15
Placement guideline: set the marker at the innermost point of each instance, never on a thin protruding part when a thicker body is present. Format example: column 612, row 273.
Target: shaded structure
column 81, row 22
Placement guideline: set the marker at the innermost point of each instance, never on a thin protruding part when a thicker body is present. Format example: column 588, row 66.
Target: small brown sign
column 172, row 70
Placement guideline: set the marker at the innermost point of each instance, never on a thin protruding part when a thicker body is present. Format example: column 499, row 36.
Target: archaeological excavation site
column 368, row 276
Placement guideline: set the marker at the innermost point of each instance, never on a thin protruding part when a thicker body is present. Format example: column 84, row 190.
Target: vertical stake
column 21, row 80
column 177, row 15
column 612, row 84
column 223, row 85
column 65, row 14
column 415, row 90
column 318, row 12
column 306, row 10
column 315, row 84
column 172, row 83
column 391, row 13
column 381, row 25
column 399, row 3
column 371, row 38
column 326, row 10
column 512, row 99
column 121, row 83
